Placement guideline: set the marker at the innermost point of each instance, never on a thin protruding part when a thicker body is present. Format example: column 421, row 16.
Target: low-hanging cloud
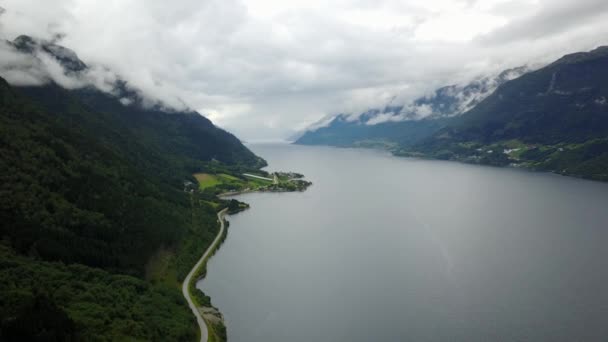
column 267, row 68
column 447, row 101
column 39, row 68
column 43, row 65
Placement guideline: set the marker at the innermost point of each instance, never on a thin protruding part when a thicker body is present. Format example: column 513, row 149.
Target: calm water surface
column 391, row 249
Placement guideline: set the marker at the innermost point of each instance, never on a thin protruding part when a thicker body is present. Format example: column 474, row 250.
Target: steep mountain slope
column 563, row 102
column 122, row 110
column 156, row 151
column 97, row 185
column 406, row 124
column 555, row 118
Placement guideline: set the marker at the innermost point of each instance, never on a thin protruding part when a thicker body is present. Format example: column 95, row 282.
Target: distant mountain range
column 552, row 119
column 404, row 124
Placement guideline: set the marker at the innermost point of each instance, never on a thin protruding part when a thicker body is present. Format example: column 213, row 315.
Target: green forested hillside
column 553, row 119
column 96, row 227
column 567, row 101
column 76, row 181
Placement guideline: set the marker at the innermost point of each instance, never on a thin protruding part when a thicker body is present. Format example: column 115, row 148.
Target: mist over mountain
column 29, row 61
column 553, row 119
column 409, row 122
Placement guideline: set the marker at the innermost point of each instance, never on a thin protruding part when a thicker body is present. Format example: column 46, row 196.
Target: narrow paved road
column 185, row 284
column 258, row 177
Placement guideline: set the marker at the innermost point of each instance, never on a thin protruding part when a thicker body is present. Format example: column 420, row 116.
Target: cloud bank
column 40, row 67
column 267, row 68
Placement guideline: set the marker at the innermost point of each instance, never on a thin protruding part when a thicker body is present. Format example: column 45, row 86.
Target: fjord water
column 391, row 249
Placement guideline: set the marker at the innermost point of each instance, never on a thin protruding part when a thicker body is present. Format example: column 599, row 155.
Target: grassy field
column 206, row 180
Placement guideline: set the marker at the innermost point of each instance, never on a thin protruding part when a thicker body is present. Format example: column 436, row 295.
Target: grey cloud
column 266, row 77
column 19, row 69
column 54, row 63
column 552, row 17
column 37, row 68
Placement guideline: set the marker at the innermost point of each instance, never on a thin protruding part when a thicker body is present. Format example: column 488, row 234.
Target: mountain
column 188, row 133
column 66, row 57
column 553, row 119
column 344, row 132
column 405, row 124
column 96, row 227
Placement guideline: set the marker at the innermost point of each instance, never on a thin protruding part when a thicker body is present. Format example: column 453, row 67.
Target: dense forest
column 97, row 230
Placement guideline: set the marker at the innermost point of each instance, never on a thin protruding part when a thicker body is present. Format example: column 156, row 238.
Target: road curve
column 185, row 285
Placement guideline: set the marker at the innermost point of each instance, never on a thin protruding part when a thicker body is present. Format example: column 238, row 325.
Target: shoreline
column 236, row 193
column 428, row 158
column 204, row 325
column 204, row 329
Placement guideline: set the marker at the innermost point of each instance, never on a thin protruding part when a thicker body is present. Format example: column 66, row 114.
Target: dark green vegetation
column 52, row 301
column 552, row 119
column 98, row 225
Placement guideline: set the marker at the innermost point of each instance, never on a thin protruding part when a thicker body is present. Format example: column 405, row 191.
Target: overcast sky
column 264, row 69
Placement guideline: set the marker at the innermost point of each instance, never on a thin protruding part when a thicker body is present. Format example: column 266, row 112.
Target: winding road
column 185, row 285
